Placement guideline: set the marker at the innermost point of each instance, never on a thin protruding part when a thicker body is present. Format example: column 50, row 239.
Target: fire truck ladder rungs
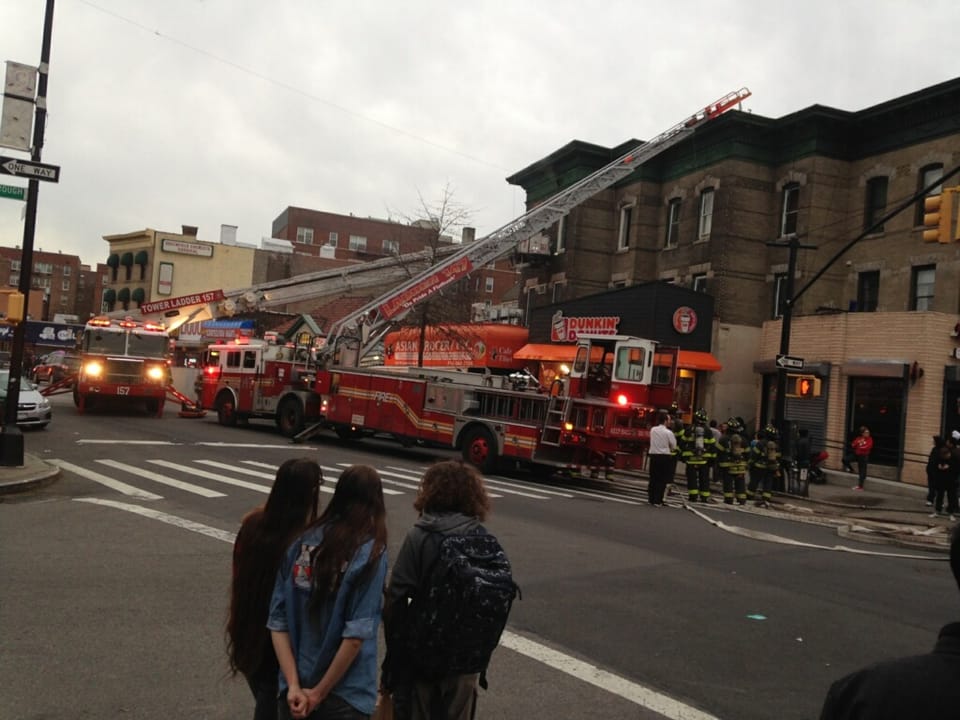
column 507, row 238
column 558, row 411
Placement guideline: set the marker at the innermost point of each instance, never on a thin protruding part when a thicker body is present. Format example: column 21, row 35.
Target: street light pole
column 11, row 439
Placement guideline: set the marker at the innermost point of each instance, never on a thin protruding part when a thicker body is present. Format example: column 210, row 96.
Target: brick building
column 55, row 281
column 703, row 215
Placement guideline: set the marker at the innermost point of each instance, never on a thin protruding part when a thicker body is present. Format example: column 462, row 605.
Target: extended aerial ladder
column 372, row 321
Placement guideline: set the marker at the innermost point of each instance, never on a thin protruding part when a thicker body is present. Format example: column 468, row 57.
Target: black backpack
column 455, row 621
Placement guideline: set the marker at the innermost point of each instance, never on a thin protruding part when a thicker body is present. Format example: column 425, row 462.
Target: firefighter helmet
column 733, row 426
column 700, row 417
column 770, row 432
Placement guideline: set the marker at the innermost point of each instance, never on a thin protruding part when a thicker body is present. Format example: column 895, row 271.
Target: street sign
column 787, row 361
column 12, row 193
column 29, row 169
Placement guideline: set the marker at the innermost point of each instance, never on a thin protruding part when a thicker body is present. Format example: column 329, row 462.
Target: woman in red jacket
column 862, row 445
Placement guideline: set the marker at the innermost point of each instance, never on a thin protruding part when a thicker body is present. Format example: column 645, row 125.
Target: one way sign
column 786, row 361
column 29, row 169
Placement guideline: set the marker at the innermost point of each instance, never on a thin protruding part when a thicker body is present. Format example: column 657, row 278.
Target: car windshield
column 25, row 383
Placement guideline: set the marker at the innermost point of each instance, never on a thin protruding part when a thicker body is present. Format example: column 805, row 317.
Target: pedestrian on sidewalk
column 265, row 533
column 923, row 686
column 938, row 442
column 663, row 448
column 943, row 473
column 862, row 445
column 326, row 605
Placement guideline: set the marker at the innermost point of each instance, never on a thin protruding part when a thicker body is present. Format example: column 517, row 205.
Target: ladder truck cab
column 250, row 378
column 125, row 361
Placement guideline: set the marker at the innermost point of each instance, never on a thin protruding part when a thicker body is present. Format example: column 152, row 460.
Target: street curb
column 846, row 532
column 38, row 480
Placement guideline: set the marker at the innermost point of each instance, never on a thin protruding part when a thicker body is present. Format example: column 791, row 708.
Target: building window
column 42, row 268
column 358, row 243
column 779, row 294
column 332, row 240
column 626, row 217
column 700, row 282
column 876, row 202
column 391, row 247
column 790, row 209
column 558, row 292
column 65, row 285
column 673, row 223
column 922, row 285
column 928, row 174
column 706, row 214
column 868, row 291
column 64, row 300
column 305, row 235
column 39, row 282
column 561, row 234
column 15, row 265
column 488, row 284
column 66, row 271
column 14, row 279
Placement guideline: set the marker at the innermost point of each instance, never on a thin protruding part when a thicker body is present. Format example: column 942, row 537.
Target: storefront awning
column 693, row 360
column 551, row 352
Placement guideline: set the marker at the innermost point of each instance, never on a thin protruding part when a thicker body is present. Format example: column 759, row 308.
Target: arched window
column 127, row 261
column 138, row 296
column 141, row 259
column 109, row 298
column 113, row 262
column 123, row 297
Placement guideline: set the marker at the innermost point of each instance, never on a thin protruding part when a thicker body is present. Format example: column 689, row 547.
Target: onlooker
column 663, row 448
column 801, row 458
column 448, row 599
column 924, row 686
column 938, row 442
column 327, row 602
column 848, row 457
column 265, row 533
column 942, row 471
column 862, row 445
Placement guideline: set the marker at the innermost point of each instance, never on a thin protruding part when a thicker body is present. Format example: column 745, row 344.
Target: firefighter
column 732, row 457
column 697, row 450
column 765, row 465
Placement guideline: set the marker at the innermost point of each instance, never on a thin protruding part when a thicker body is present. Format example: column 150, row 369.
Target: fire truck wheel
column 226, row 414
column 480, row 449
column 290, row 416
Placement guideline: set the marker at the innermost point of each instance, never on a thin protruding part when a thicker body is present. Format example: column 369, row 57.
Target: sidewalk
column 32, row 474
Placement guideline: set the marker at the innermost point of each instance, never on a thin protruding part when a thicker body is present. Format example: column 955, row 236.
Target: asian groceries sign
column 568, row 329
column 425, row 288
column 182, row 301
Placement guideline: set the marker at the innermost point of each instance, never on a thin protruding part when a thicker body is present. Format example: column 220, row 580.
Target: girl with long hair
column 327, row 602
column 265, row 533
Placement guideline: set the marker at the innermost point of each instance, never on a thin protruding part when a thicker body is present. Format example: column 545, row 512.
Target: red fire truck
column 598, row 416
column 125, row 360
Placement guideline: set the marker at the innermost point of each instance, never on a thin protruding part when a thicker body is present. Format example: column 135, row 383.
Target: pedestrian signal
column 803, row 386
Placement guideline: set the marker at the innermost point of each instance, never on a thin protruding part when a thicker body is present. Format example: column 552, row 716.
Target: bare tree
column 446, row 219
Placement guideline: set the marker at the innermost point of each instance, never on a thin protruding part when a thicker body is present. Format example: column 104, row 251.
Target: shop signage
column 684, row 320
column 183, row 247
column 568, row 329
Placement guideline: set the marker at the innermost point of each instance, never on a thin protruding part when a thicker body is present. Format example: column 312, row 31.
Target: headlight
column 156, row 372
column 43, row 402
column 93, row 369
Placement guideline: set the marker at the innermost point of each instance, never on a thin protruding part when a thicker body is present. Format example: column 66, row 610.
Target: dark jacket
column 924, row 686
column 942, row 468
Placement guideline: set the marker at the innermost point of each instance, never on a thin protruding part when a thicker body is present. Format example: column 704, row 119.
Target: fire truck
column 124, row 360
column 598, row 416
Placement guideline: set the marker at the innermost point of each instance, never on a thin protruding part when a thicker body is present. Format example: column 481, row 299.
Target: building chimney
column 468, row 235
column 189, row 230
column 228, row 234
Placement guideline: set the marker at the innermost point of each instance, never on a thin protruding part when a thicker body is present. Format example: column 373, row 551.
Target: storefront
column 672, row 315
column 192, row 338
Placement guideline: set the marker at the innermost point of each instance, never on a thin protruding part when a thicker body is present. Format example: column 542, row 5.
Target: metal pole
column 11, row 439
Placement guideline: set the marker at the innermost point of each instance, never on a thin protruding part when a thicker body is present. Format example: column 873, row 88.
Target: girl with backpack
column 327, row 602
column 265, row 533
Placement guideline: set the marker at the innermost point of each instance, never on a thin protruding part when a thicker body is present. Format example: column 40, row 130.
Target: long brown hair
column 355, row 514
column 265, row 534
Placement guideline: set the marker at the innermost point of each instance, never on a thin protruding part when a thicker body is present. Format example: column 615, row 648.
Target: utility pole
column 11, row 439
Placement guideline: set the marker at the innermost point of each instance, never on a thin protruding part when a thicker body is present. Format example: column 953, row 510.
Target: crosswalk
column 154, row 478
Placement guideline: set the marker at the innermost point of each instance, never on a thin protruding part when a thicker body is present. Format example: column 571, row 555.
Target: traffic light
column 803, row 386
column 938, row 217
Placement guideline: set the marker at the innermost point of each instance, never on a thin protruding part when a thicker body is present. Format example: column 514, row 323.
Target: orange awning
column 551, row 352
column 692, row 360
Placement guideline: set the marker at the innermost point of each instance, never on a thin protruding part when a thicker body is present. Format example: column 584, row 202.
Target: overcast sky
column 210, row 112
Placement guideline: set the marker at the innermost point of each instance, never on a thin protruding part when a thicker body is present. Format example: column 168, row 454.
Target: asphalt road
column 627, row 610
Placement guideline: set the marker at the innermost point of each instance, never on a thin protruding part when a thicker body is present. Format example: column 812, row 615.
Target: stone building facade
column 709, row 213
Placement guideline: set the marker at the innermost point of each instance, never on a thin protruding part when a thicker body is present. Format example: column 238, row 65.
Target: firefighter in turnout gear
column 765, row 465
column 733, row 455
column 697, row 451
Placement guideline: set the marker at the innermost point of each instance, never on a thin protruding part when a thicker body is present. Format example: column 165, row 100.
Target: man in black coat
column 924, row 686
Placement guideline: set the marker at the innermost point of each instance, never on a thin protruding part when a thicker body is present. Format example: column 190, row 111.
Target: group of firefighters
column 726, row 454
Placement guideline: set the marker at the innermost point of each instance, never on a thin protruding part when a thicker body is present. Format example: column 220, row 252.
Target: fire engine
column 122, row 359
column 598, row 416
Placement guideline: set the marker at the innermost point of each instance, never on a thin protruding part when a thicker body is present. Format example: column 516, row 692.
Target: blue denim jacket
column 315, row 637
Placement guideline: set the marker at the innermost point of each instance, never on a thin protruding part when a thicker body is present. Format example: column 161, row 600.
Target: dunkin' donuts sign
column 684, row 320
column 568, row 329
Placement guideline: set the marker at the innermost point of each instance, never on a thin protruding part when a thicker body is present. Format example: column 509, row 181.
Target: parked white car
column 33, row 409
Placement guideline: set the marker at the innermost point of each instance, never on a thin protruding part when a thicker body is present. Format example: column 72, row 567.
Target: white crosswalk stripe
column 327, row 472
column 109, row 482
column 163, row 479
column 265, row 489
